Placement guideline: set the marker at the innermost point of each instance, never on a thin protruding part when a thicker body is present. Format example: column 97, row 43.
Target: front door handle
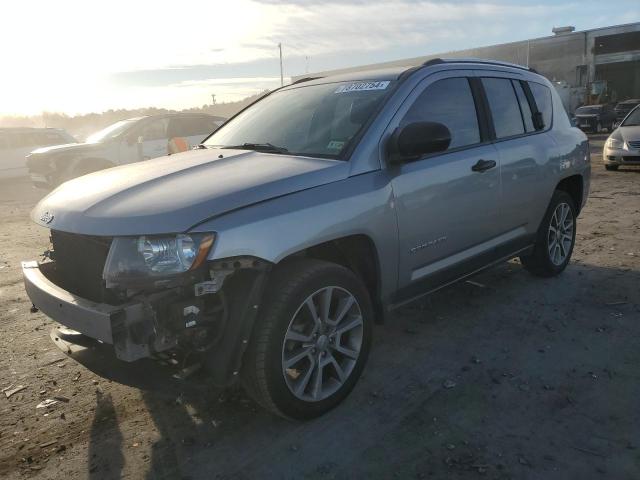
column 483, row 165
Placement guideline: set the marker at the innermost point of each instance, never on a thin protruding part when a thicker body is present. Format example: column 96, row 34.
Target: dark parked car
column 623, row 108
column 595, row 118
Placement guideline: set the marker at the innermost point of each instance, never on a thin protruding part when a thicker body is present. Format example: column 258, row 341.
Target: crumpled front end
column 206, row 314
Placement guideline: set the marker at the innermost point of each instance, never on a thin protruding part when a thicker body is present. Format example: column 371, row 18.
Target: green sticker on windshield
column 362, row 86
column 335, row 145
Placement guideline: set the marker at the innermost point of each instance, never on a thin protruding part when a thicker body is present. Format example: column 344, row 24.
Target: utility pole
column 281, row 74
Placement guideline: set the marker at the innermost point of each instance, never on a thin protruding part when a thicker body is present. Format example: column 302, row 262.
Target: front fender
column 277, row 228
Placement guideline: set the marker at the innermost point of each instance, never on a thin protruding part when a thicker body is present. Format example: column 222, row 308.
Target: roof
column 393, row 73
column 362, row 75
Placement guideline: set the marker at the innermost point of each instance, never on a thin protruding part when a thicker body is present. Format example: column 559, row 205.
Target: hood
column 67, row 147
column 172, row 194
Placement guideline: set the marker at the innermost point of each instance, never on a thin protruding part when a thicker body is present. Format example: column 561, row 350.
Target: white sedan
column 623, row 145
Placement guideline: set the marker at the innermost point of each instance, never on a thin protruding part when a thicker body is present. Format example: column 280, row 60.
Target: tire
column 611, row 168
column 265, row 375
column 545, row 260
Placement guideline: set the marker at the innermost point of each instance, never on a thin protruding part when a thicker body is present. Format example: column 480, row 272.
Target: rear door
column 522, row 149
column 447, row 212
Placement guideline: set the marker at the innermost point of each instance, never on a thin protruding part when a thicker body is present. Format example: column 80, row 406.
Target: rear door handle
column 483, row 165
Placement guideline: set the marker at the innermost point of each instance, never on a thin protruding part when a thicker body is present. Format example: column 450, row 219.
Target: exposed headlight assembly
column 154, row 256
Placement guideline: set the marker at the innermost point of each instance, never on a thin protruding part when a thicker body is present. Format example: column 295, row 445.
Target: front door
column 448, row 212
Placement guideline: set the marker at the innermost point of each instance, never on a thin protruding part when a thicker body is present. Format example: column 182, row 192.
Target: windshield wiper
column 260, row 147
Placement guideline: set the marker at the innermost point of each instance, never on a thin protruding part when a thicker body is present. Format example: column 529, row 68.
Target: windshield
column 633, row 119
column 316, row 120
column 111, row 131
column 588, row 110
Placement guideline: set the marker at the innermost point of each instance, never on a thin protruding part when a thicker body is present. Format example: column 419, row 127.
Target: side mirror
column 414, row 140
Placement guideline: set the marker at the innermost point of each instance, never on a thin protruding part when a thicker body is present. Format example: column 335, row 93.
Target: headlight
column 147, row 256
column 616, row 143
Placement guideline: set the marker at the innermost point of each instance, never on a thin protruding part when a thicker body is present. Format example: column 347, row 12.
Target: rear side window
column 504, row 106
column 449, row 102
column 542, row 96
column 525, row 108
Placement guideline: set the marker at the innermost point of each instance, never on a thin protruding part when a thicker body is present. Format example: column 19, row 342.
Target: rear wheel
column 611, row 167
column 555, row 238
column 311, row 341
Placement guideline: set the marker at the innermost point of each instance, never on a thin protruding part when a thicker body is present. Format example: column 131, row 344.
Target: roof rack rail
column 305, row 79
column 439, row 61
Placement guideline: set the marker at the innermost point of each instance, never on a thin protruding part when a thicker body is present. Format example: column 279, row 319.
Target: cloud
column 120, row 57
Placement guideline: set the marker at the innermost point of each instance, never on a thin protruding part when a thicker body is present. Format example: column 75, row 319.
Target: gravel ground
column 508, row 377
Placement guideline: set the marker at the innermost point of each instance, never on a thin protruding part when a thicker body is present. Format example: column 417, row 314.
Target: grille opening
column 79, row 261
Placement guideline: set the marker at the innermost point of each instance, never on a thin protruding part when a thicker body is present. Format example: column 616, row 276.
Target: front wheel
column 611, row 167
column 311, row 341
column 555, row 238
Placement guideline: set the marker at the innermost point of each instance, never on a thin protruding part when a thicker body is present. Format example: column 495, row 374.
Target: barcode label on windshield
column 361, row 86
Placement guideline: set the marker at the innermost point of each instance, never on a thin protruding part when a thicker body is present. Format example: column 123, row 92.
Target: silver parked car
column 623, row 145
column 271, row 251
column 126, row 141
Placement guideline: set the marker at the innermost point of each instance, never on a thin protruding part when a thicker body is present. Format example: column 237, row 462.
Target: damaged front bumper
column 156, row 322
column 110, row 324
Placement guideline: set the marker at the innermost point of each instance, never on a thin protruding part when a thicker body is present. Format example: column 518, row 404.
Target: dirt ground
column 543, row 380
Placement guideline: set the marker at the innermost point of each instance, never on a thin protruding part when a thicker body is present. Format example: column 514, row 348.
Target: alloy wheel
column 560, row 236
column 322, row 344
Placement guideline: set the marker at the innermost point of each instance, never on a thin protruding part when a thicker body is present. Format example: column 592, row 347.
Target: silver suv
column 269, row 252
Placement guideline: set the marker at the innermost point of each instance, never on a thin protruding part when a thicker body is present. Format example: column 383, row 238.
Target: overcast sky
column 78, row 56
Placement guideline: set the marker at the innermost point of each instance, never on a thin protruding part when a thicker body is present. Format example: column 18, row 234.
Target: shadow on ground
column 545, row 386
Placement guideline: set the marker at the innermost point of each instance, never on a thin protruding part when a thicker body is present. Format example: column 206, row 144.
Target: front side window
column 112, row 131
column 542, row 96
column 314, row 120
column 504, row 107
column 449, row 102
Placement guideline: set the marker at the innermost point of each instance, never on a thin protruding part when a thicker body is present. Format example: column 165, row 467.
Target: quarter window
column 542, row 96
column 449, row 102
column 504, row 107
column 525, row 108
